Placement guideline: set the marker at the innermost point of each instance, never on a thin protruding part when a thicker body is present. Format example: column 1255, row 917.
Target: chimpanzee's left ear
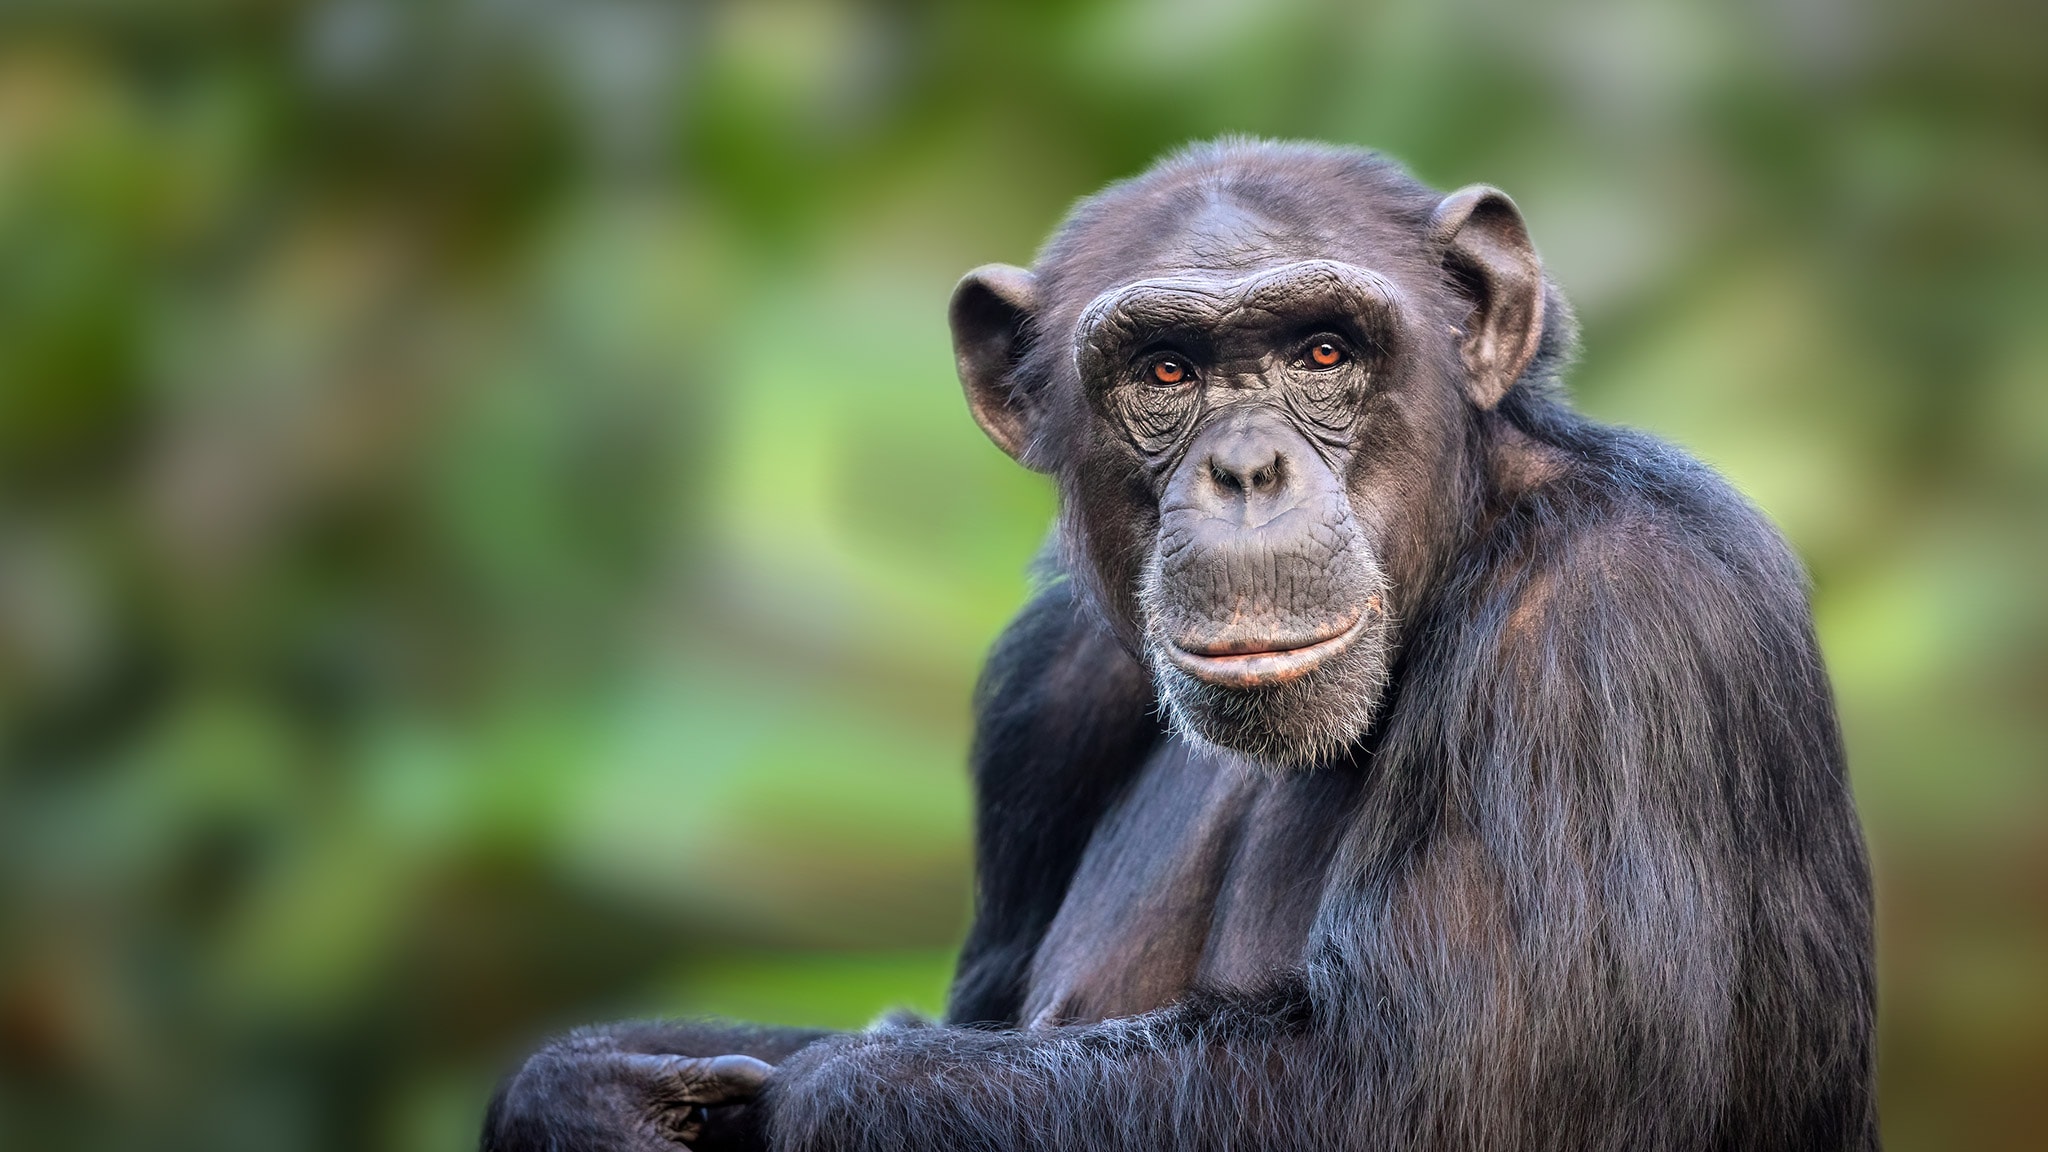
column 1485, row 247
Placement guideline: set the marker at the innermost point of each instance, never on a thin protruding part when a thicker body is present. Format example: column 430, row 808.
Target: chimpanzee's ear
column 992, row 308
column 1485, row 247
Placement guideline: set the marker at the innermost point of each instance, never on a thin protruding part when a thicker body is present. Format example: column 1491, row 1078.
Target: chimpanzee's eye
column 1167, row 371
column 1324, row 353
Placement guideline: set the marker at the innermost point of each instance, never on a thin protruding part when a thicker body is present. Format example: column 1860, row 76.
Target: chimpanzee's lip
column 1238, row 666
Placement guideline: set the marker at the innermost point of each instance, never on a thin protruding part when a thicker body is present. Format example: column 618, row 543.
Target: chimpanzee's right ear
column 992, row 309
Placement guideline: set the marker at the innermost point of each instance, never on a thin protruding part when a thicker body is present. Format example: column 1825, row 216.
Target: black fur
column 1592, row 879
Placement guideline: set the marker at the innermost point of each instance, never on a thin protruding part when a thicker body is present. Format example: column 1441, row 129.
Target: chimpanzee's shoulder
column 1640, row 509
column 1063, row 714
column 1057, row 661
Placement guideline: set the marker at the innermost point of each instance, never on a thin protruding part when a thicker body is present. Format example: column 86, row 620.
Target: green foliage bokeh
column 489, row 536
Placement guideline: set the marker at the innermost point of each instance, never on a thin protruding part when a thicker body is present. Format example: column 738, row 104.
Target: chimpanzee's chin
column 1302, row 723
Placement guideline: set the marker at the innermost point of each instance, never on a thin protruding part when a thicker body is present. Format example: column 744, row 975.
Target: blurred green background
column 490, row 539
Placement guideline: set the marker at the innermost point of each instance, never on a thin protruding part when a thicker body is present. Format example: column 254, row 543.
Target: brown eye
column 1324, row 354
column 1169, row 371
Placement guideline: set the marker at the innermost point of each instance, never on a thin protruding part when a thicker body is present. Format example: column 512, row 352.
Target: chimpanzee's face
column 1261, row 447
column 1264, row 600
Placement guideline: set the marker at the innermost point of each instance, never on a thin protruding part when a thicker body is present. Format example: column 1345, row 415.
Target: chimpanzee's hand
column 683, row 1087
column 576, row 1097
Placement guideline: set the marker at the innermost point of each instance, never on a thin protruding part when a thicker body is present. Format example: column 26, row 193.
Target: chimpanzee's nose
column 1247, row 465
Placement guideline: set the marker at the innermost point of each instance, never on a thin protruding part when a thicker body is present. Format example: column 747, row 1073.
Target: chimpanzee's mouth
column 1247, row 663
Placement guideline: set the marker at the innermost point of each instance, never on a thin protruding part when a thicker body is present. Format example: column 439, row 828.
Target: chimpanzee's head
column 1262, row 375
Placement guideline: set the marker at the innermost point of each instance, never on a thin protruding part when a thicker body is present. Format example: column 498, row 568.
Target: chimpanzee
column 1391, row 759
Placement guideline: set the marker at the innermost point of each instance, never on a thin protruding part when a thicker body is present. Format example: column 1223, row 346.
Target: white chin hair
column 1299, row 724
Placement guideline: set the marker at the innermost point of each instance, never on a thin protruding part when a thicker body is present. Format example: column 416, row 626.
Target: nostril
column 1240, row 478
column 1267, row 478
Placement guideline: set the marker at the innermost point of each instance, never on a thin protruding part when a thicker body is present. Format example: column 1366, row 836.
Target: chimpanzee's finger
column 702, row 1080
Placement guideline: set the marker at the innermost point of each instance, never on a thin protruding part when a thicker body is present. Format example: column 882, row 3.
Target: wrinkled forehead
column 1219, row 239
column 1223, row 252
column 1228, row 240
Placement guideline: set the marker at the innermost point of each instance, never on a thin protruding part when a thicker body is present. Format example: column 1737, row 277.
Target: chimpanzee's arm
column 1605, row 891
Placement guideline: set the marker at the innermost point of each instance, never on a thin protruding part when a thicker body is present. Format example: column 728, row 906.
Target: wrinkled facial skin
column 1264, row 604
